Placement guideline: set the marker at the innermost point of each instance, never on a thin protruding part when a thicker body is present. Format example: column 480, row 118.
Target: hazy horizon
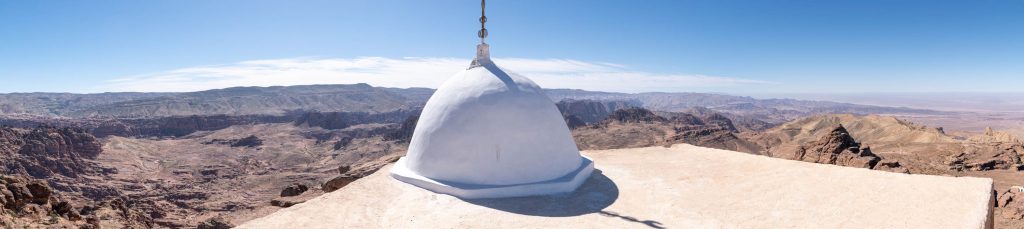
column 940, row 101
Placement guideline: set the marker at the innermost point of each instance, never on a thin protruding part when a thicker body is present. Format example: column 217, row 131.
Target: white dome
column 485, row 129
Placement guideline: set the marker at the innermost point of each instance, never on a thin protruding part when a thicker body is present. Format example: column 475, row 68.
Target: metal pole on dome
column 483, row 51
column 483, row 20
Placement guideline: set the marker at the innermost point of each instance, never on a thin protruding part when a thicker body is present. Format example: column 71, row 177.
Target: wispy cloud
column 413, row 72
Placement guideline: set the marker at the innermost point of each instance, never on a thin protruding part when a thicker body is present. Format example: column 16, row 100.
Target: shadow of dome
column 597, row 193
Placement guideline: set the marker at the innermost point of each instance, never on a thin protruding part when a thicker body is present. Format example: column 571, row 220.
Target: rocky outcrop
column 286, row 202
column 63, row 157
column 837, row 148
column 710, row 130
column 348, row 175
column 691, row 127
column 635, row 115
column 717, row 120
column 591, row 111
column 982, row 157
column 991, row 150
column 891, row 166
column 45, row 151
column 639, row 127
column 215, row 223
column 294, row 189
column 992, row 136
column 988, row 151
column 338, row 182
column 31, row 203
column 1009, row 207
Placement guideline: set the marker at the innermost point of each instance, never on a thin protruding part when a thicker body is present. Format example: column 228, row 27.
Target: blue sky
column 738, row 47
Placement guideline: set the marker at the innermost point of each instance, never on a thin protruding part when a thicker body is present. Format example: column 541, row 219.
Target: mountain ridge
column 277, row 100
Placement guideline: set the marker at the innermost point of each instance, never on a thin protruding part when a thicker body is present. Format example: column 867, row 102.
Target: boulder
column 1009, row 205
column 285, row 202
column 891, row 166
column 215, row 223
column 337, row 183
column 294, row 190
column 40, row 191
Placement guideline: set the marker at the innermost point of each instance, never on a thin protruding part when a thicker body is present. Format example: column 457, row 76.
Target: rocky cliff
column 591, row 111
column 342, row 120
column 639, row 127
column 47, row 151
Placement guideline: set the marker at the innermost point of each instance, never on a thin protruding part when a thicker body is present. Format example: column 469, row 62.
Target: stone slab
column 679, row 187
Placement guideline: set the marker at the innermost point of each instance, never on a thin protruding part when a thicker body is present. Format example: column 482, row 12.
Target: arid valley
column 223, row 157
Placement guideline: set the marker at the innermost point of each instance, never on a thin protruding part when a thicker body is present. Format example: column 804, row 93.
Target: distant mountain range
column 365, row 98
column 228, row 101
column 770, row 110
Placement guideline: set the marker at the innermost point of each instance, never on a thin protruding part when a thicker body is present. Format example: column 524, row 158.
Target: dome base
column 564, row 184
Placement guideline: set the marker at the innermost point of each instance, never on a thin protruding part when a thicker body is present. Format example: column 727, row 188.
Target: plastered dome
column 487, row 133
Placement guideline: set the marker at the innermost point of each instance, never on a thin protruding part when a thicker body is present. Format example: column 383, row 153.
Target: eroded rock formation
column 635, row 115
column 639, row 127
column 991, row 150
column 837, row 148
column 45, row 151
column 1009, row 207
column 591, row 111
column 31, row 203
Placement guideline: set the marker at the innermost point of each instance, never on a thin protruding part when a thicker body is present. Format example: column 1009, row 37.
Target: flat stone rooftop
column 679, row 187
